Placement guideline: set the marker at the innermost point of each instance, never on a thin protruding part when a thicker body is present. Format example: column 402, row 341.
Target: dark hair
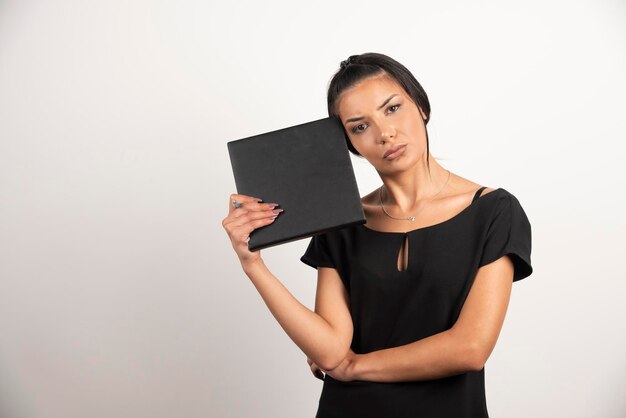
column 359, row 67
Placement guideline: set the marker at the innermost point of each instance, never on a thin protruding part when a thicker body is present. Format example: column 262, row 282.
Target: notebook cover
column 307, row 170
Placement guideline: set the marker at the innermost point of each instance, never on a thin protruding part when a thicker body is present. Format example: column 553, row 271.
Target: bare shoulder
column 463, row 186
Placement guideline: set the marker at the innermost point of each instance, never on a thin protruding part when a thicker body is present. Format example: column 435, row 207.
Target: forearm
column 308, row 330
column 440, row 355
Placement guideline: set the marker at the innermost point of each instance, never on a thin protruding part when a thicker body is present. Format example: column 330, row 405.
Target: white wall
column 120, row 295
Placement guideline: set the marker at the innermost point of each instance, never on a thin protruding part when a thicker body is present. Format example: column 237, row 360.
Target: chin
column 406, row 163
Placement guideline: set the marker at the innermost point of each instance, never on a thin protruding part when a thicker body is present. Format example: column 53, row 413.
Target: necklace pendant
column 411, row 218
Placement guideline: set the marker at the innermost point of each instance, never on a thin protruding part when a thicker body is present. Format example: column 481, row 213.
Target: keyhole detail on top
column 403, row 254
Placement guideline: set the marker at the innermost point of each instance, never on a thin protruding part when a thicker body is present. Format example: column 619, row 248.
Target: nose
column 387, row 131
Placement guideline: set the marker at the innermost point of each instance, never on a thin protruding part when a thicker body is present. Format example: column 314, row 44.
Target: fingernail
column 277, row 211
column 258, row 199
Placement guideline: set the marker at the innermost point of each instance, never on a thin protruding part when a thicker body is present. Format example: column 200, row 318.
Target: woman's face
column 377, row 114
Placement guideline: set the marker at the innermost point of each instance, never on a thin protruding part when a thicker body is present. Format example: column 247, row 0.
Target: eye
column 356, row 129
column 396, row 106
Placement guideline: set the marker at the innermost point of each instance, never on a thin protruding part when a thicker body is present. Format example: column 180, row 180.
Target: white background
column 120, row 294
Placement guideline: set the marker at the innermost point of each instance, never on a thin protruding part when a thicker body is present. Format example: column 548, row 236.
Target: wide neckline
column 466, row 209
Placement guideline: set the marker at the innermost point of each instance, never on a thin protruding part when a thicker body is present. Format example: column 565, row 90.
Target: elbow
column 475, row 358
column 334, row 359
column 476, row 365
column 328, row 365
column 331, row 363
column 337, row 353
column 473, row 351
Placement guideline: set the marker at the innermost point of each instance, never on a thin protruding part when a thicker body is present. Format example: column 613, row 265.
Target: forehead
column 367, row 95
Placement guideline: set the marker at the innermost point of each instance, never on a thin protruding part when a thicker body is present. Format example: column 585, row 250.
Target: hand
column 317, row 372
column 242, row 220
column 344, row 372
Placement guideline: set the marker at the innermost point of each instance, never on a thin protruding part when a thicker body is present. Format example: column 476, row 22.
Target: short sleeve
column 318, row 253
column 509, row 233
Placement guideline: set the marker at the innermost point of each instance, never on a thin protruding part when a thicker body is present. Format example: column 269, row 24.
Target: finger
column 317, row 372
column 242, row 233
column 236, row 200
column 240, row 217
column 251, row 216
column 315, row 368
column 253, row 207
column 245, row 225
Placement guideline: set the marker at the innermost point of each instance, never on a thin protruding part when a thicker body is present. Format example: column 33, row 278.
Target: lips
column 393, row 149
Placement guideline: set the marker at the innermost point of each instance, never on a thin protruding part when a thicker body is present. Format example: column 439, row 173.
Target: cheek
column 414, row 129
column 367, row 148
column 362, row 140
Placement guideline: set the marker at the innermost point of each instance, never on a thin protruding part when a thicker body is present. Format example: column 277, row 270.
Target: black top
column 392, row 307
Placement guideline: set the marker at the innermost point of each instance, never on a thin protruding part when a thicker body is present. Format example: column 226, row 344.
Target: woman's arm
column 323, row 335
column 464, row 347
column 324, row 341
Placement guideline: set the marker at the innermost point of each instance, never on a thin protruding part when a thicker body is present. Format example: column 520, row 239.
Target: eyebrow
column 378, row 108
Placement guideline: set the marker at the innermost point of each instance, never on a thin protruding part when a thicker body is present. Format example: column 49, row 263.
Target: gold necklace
column 410, row 218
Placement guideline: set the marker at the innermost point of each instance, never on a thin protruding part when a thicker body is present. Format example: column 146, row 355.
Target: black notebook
column 306, row 169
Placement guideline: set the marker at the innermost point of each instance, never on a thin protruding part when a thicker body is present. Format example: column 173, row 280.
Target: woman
column 409, row 305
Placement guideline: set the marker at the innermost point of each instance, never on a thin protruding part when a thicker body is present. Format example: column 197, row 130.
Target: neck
column 407, row 189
